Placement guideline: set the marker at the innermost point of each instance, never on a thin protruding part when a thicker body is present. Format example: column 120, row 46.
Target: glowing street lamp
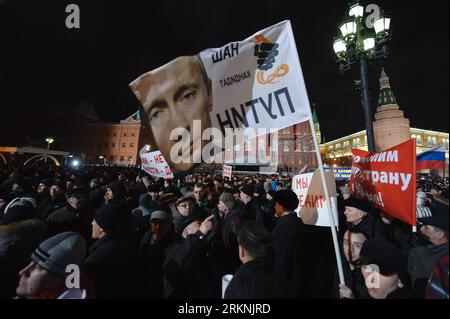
column 359, row 43
column 49, row 141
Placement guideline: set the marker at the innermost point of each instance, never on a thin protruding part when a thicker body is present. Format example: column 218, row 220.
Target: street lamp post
column 363, row 43
column 49, row 141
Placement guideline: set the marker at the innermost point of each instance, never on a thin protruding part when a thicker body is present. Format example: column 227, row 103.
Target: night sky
column 42, row 62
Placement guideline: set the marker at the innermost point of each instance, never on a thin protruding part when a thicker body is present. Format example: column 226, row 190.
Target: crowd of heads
column 51, row 218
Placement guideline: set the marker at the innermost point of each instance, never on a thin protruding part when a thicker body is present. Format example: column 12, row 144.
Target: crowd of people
column 133, row 236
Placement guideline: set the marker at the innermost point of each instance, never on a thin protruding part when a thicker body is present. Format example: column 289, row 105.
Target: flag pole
column 327, row 202
column 319, row 161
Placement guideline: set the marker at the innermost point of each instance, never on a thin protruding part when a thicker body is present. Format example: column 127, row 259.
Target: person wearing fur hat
column 20, row 233
column 288, row 242
column 152, row 251
column 45, row 276
column 111, row 261
column 252, row 209
column 359, row 217
column 255, row 278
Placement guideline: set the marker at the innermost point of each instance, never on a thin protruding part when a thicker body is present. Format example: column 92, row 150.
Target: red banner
column 387, row 180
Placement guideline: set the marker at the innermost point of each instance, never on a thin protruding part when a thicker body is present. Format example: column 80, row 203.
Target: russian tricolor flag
column 432, row 159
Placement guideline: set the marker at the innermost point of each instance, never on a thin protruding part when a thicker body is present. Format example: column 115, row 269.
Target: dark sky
column 42, row 62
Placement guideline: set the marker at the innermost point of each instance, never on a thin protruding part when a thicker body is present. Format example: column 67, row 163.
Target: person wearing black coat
column 268, row 208
column 255, row 278
column 75, row 216
column 57, row 200
column 96, row 193
column 354, row 280
column 152, row 252
column 288, row 243
column 190, row 268
column 112, row 259
column 227, row 244
column 361, row 217
column 393, row 281
column 251, row 210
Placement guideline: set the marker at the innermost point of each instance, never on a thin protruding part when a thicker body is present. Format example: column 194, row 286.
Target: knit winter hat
column 357, row 203
column 248, row 189
column 386, row 256
column 18, row 213
column 55, row 253
column 109, row 217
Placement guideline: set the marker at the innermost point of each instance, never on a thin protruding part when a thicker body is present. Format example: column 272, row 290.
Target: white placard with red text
column 155, row 164
column 312, row 208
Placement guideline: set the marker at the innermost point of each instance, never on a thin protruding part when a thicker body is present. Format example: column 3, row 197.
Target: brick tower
column 390, row 126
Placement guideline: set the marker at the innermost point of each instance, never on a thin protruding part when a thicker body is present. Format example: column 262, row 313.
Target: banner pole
column 319, row 161
column 327, row 201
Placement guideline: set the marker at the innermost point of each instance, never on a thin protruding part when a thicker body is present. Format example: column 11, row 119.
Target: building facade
column 113, row 144
column 294, row 149
column 339, row 152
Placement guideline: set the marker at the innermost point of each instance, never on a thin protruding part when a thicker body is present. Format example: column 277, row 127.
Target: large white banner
column 194, row 106
column 312, row 208
column 155, row 164
column 257, row 82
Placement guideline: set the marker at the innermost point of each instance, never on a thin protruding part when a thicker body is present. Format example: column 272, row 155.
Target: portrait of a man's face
column 173, row 96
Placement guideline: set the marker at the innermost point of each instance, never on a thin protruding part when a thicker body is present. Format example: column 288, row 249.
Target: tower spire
column 386, row 96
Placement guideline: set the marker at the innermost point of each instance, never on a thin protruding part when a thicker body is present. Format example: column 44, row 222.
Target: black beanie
column 357, row 203
column 286, row 198
column 248, row 189
column 386, row 256
column 109, row 217
column 18, row 213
